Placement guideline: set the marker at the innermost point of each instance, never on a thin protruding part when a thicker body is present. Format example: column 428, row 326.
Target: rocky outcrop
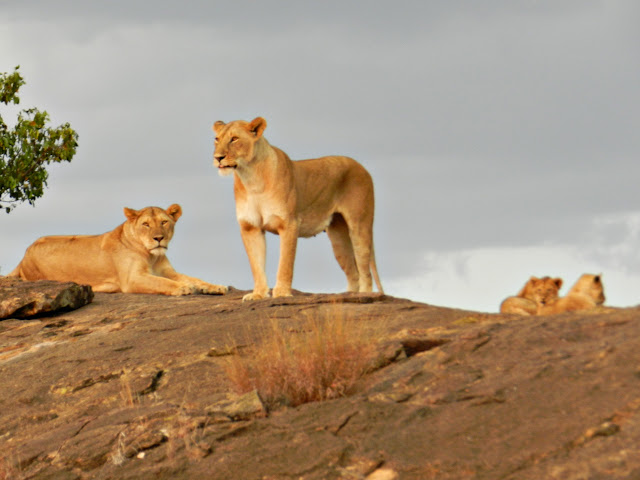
column 136, row 387
column 20, row 299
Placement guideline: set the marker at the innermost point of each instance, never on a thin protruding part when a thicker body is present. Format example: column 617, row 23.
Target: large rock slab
column 137, row 387
column 19, row 299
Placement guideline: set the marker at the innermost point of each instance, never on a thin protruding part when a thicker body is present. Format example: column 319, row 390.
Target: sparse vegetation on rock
column 320, row 359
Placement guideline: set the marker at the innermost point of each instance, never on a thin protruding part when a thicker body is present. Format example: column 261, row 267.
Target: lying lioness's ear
column 216, row 126
column 174, row 211
column 257, row 126
column 130, row 213
column 558, row 282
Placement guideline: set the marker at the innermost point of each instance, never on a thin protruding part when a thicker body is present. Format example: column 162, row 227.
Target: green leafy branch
column 27, row 149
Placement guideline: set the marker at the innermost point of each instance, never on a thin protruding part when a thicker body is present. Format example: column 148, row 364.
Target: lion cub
column 586, row 294
column 130, row 259
column 296, row 199
column 535, row 293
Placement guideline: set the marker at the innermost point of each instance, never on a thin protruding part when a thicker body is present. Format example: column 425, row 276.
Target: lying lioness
column 296, row 199
column 129, row 259
column 586, row 294
column 535, row 293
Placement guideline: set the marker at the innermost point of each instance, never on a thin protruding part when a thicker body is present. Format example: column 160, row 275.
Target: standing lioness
column 130, row 259
column 296, row 199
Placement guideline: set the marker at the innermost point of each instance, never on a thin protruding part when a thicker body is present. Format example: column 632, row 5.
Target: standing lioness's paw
column 254, row 296
column 282, row 292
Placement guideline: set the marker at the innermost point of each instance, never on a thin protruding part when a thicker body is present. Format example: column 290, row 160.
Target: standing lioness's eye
column 233, row 139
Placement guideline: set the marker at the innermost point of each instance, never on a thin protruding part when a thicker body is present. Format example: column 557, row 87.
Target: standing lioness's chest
column 261, row 211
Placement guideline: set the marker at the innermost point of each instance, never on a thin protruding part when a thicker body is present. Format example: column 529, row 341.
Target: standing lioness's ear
column 130, row 213
column 174, row 211
column 257, row 126
column 216, row 126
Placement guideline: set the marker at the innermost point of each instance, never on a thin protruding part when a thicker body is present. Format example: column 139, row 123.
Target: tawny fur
column 297, row 199
column 536, row 292
column 130, row 259
column 586, row 294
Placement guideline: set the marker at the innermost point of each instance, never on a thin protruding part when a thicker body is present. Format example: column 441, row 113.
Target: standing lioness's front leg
column 256, row 247
column 288, row 244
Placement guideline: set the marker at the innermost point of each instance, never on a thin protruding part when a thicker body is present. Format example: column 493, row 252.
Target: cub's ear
column 257, row 126
column 218, row 125
column 174, row 211
column 558, row 282
column 597, row 278
column 130, row 213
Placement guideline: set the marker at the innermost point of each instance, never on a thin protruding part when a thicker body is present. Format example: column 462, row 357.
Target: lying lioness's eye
column 145, row 224
column 164, row 222
column 233, row 139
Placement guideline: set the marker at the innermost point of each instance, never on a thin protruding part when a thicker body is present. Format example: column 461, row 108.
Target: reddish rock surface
column 135, row 387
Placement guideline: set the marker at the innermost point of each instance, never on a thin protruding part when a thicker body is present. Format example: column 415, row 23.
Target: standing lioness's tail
column 374, row 269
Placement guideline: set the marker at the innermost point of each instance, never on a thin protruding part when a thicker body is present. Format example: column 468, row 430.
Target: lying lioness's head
column 152, row 226
column 541, row 290
column 591, row 286
column 234, row 143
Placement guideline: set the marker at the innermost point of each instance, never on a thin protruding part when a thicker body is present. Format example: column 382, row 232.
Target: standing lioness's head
column 153, row 226
column 234, row 143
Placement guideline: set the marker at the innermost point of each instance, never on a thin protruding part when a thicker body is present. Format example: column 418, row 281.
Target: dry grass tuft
column 320, row 360
column 9, row 469
column 189, row 432
column 129, row 399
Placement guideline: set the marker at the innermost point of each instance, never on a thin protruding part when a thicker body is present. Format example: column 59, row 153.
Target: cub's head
column 235, row 143
column 541, row 290
column 591, row 286
column 153, row 226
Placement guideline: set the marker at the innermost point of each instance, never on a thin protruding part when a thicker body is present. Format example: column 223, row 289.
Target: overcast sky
column 503, row 137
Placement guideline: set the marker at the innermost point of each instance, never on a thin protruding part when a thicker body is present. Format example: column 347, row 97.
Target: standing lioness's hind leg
column 343, row 250
column 362, row 241
column 361, row 238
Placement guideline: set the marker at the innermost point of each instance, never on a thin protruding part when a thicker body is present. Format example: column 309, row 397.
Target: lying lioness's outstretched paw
column 185, row 290
column 213, row 289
